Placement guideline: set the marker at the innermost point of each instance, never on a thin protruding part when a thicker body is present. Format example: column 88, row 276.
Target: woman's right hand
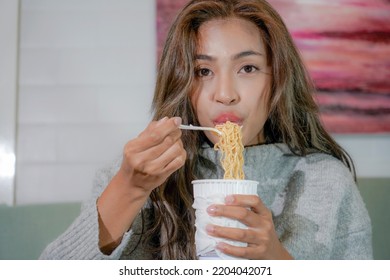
column 148, row 160
column 154, row 155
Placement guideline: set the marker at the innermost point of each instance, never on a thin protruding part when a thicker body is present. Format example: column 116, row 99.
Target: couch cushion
column 376, row 195
column 26, row 230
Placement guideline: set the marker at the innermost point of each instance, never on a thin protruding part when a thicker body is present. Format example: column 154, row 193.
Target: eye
column 249, row 69
column 203, row 72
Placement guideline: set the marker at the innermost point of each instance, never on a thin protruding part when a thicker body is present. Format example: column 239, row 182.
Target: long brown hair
column 293, row 113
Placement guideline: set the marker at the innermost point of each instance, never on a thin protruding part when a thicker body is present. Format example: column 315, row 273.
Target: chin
column 245, row 142
column 212, row 138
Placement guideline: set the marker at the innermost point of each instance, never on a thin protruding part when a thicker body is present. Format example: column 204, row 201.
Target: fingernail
column 162, row 120
column 177, row 121
column 211, row 209
column 229, row 199
column 210, row 228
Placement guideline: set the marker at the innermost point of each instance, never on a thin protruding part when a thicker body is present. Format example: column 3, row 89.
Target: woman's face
column 232, row 78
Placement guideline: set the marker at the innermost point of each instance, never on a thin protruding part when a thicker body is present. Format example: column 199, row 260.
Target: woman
column 227, row 61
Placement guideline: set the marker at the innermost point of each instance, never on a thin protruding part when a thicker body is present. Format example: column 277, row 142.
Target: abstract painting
column 345, row 45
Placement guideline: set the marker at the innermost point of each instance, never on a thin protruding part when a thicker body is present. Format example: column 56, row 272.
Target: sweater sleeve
column 81, row 239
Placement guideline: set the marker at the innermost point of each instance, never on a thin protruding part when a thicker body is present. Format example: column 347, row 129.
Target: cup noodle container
column 214, row 191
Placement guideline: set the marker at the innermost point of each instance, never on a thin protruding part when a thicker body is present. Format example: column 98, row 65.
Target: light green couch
column 26, row 230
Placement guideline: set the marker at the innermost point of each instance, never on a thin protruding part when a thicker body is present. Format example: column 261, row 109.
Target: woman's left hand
column 261, row 237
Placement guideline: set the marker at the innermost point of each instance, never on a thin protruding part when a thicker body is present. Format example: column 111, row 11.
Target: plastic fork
column 192, row 127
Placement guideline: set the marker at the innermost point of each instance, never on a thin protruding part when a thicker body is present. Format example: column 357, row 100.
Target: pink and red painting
column 345, row 45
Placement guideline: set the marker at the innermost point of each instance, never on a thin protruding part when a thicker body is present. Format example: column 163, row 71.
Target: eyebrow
column 246, row 53
column 235, row 57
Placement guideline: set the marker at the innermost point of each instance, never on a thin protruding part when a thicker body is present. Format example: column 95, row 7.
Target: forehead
column 234, row 34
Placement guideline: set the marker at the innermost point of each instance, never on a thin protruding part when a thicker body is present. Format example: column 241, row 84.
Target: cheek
column 212, row 137
column 256, row 98
column 257, row 104
column 262, row 98
column 194, row 97
column 196, row 102
column 199, row 100
column 261, row 111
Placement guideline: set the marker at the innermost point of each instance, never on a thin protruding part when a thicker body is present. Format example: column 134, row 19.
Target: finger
column 175, row 164
column 236, row 234
column 156, row 132
column 157, row 151
column 153, row 160
column 240, row 252
column 172, row 158
column 250, row 201
column 242, row 214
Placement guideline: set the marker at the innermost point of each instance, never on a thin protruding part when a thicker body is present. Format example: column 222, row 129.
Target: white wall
column 9, row 15
column 86, row 82
column 370, row 152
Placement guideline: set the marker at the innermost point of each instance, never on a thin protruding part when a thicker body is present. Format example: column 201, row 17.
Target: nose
column 225, row 91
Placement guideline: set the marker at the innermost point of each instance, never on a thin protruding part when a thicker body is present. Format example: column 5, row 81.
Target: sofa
column 26, row 230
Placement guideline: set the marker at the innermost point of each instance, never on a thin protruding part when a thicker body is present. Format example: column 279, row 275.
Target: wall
column 9, row 15
column 86, row 81
column 370, row 152
column 86, row 75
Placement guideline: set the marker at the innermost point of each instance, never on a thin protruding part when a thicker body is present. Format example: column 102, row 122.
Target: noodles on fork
column 231, row 147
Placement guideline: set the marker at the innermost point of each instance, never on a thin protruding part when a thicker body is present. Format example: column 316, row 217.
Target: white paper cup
column 214, row 191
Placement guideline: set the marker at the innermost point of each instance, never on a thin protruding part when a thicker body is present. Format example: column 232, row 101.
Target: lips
column 222, row 118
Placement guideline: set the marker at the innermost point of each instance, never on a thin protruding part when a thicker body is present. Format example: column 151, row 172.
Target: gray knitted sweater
column 317, row 209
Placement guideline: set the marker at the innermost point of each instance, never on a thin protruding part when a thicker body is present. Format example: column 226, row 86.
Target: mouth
column 225, row 117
